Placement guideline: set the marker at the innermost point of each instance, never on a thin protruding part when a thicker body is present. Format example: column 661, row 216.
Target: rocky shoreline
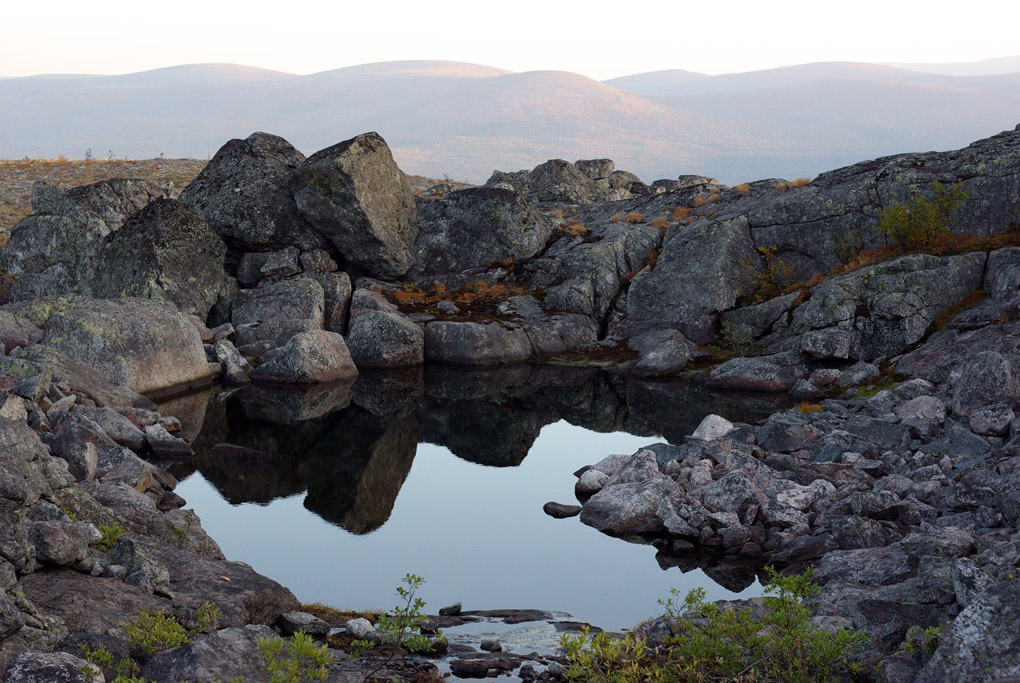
column 279, row 269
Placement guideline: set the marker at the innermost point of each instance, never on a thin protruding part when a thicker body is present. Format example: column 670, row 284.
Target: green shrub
column 152, row 632
column 915, row 226
column 772, row 278
column 296, row 660
column 111, row 534
column 779, row 644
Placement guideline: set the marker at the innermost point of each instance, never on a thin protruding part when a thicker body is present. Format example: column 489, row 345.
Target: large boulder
column 163, row 252
column 982, row 643
column 140, row 344
column 702, row 270
column 474, row 228
column 354, row 194
column 276, row 311
column 385, row 339
column 469, row 343
column 309, row 358
column 230, row 654
column 245, row 194
column 778, row 372
column 54, row 250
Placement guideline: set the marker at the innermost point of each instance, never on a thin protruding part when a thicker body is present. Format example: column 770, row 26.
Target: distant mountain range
column 466, row 120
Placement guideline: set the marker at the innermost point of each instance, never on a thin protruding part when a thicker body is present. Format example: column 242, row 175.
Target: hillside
column 467, row 119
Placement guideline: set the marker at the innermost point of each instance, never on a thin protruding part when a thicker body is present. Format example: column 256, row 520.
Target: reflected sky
column 476, row 533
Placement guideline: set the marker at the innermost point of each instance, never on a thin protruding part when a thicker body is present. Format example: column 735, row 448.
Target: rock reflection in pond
column 350, row 447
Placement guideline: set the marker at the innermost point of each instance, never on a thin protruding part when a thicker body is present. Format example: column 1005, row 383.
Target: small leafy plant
column 772, row 278
column 152, row 632
column 111, row 533
column 918, row 224
column 299, row 659
column 179, row 536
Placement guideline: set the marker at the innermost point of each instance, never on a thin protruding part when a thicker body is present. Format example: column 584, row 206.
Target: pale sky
column 600, row 39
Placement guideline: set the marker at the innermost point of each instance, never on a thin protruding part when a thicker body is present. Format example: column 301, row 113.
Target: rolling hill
column 466, row 120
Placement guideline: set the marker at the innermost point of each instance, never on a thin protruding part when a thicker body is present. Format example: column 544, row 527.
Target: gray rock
column 236, row 368
column 276, row 311
column 54, row 251
column 354, row 195
column 982, row 643
column 806, row 391
column 166, row 445
column 25, row 378
column 700, row 270
column 309, row 358
column 17, row 331
column 303, row 622
column 114, row 425
column 922, row 408
column 628, row 508
column 164, row 252
column 468, row 343
column 336, row 291
column 318, row 261
column 11, row 618
column 831, row 343
column 244, row 193
column 992, row 420
column 271, row 265
column 84, row 379
column 561, row 511
column 49, row 667
column 989, row 377
column 778, row 372
column 712, row 427
column 385, row 339
column 857, row 374
column 596, row 169
column 590, row 483
column 61, row 543
column 360, row 628
column 139, row 344
column 449, row 239
column 228, row 654
column 662, row 353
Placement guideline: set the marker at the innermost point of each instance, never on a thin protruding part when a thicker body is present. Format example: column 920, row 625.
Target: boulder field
column 274, row 268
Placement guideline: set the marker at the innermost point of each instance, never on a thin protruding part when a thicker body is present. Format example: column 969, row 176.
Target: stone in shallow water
column 561, row 511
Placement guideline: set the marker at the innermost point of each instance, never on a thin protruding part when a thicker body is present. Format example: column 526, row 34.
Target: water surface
column 339, row 491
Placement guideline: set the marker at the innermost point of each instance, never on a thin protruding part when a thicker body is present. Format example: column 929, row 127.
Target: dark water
column 338, row 491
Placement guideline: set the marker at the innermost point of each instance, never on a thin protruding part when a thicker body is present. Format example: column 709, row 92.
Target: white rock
column 360, row 628
column 713, row 427
column 590, row 483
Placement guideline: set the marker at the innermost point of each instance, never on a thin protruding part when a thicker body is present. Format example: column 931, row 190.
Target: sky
column 597, row 38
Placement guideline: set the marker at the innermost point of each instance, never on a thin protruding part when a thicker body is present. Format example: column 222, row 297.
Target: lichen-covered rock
column 982, row 643
column 474, row 228
column 385, row 339
column 244, row 193
column 276, row 311
column 701, row 270
column 309, row 358
column 628, row 508
column 777, row 372
column 163, row 252
column 663, row 352
column 54, row 250
column 469, row 343
column 989, row 377
column 49, row 667
column 354, row 195
column 140, row 344
column 274, row 265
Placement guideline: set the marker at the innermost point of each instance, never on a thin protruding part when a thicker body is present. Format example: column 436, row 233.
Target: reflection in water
column 349, row 448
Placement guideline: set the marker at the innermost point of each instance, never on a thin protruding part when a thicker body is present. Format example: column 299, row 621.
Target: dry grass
column 413, row 295
column 700, row 201
column 17, row 177
column 681, row 212
column 789, row 184
column 632, row 217
column 808, row 407
column 573, row 228
column 659, row 222
column 559, row 213
column 742, row 188
column 616, row 218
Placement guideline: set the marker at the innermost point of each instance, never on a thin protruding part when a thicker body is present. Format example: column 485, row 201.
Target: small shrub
column 152, row 632
column 659, row 223
column 179, row 536
column 573, row 228
column 917, row 225
column 714, row 197
column 700, row 201
column 299, row 659
column 111, row 533
column 558, row 213
column 925, row 640
column 632, row 217
column 616, row 218
column 807, row 407
column 742, row 188
column 736, row 338
column 717, row 644
column 771, row 278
